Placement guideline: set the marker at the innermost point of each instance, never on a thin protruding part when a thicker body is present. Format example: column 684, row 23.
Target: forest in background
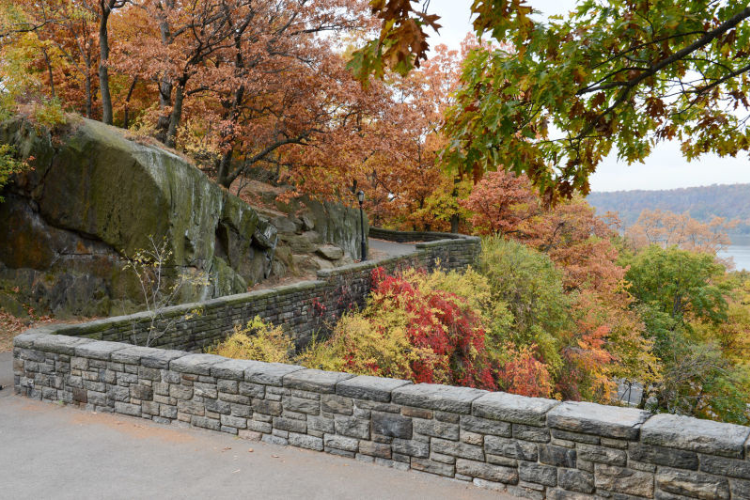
column 702, row 203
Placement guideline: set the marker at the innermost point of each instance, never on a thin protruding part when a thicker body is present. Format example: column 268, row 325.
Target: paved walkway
column 52, row 451
column 390, row 247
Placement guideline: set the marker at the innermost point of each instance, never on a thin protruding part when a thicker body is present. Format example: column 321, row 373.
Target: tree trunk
column 455, row 220
column 176, row 116
column 224, row 175
column 103, row 59
column 89, row 103
column 165, row 102
column 127, row 102
column 49, row 73
column 165, row 85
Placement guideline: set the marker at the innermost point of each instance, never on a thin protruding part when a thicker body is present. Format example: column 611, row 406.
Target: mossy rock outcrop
column 95, row 196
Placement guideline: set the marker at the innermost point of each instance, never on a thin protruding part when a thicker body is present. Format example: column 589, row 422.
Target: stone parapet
column 305, row 308
column 529, row 447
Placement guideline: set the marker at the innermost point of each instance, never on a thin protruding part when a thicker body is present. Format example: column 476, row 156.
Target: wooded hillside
column 703, row 203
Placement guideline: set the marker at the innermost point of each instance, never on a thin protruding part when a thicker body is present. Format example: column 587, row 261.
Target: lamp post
column 361, row 199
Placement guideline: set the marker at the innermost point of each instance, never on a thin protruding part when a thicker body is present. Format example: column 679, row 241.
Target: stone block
column 660, row 455
column 704, row 436
column 618, row 479
column 496, row 473
column 98, row 349
column 267, row 407
column 232, row 369
column 511, row 448
column 321, row 424
column 206, row 423
column 388, row 424
column 226, row 386
column 537, row 473
column 180, row 392
column 232, row 421
column 370, row 388
column 59, row 344
column 262, row 427
column 513, row 408
column 485, row 426
column 79, row 363
column 576, row 480
column 352, row 427
column 416, row 412
column 410, row 447
column 557, row 456
column 725, row 467
column 375, row 449
column 142, row 392
column 437, row 397
column 128, row 409
column 739, row 489
column 341, row 442
column 530, row 433
column 160, row 358
column 152, row 374
column 471, row 438
column 204, row 390
column 331, row 403
column 600, row 420
column 602, row 455
column 457, row 449
column 278, row 441
column 307, row 406
column 197, row 364
column 558, row 494
column 578, row 438
column 191, row 408
column 305, row 441
column 252, row 390
column 315, row 380
column 217, row 406
column 26, row 339
column 290, row 425
column 437, row 429
column 426, row 465
column 692, row 484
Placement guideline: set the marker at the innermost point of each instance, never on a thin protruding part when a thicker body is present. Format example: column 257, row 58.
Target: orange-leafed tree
column 665, row 228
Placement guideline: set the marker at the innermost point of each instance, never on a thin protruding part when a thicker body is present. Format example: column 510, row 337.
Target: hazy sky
column 665, row 168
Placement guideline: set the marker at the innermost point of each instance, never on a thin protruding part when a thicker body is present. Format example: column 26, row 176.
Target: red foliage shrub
column 440, row 323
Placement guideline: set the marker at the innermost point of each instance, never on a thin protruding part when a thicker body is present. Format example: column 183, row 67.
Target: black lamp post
column 361, row 198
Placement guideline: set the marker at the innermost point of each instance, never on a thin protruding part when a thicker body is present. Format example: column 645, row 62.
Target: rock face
column 95, row 196
column 312, row 235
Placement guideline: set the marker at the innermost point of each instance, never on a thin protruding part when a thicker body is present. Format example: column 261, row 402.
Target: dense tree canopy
column 568, row 91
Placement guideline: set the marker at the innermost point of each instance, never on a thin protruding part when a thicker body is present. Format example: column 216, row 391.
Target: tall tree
column 103, row 10
column 612, row 74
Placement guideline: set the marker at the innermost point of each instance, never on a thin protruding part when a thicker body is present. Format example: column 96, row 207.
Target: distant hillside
column 703, row 203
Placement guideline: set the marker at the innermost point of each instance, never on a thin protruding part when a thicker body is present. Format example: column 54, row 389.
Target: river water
column 739, row 250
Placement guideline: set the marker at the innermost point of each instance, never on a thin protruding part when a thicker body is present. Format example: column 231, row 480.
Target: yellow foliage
column 367, row 346
column 257, row 341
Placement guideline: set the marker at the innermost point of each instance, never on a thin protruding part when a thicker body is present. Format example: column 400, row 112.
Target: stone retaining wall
column 530, row 447
column 304, row 308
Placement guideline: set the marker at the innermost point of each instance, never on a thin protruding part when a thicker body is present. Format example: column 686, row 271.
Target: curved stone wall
column 529, row 447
